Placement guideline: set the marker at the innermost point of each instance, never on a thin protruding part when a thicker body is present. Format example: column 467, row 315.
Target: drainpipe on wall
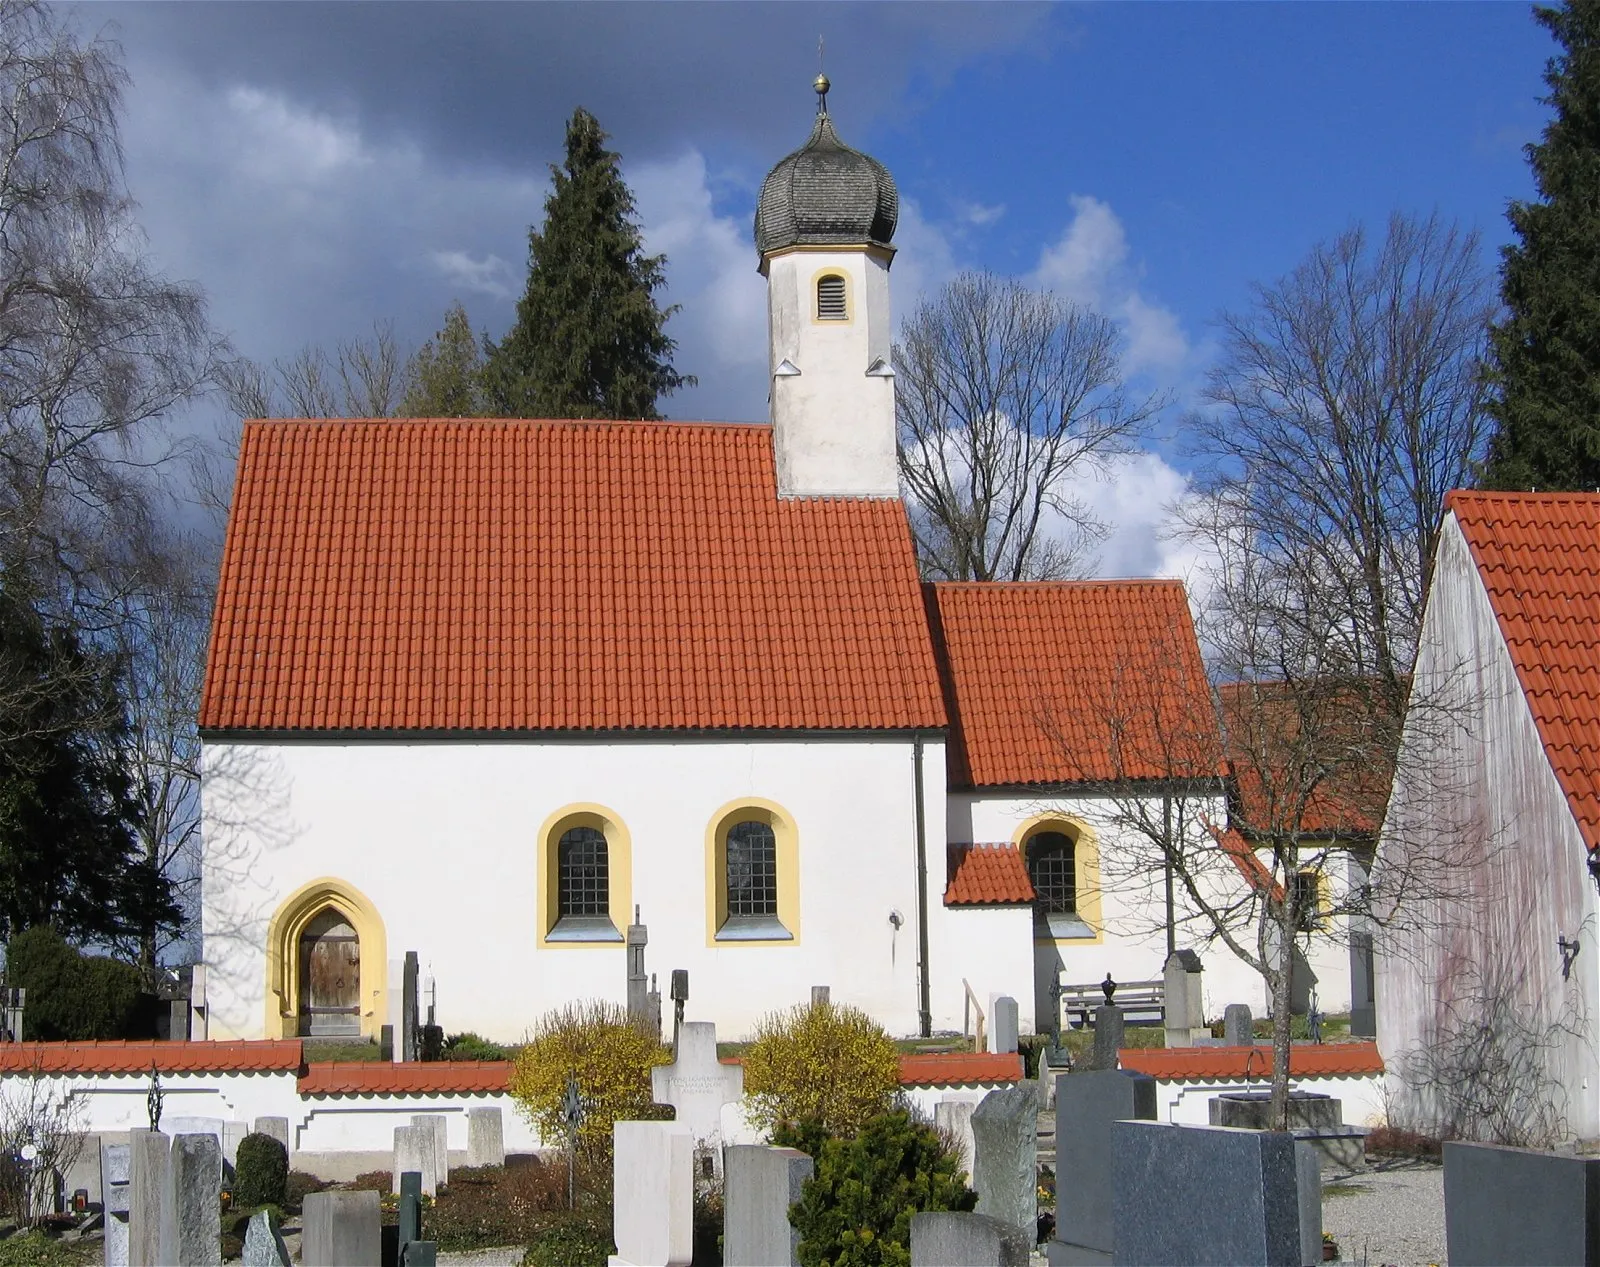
column 924, row 1006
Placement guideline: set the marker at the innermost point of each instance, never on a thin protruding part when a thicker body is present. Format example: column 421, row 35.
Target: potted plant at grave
column 1330, row 1248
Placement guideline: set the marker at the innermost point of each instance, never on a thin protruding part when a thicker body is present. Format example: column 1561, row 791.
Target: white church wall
column 442, row 839
column 987, row 947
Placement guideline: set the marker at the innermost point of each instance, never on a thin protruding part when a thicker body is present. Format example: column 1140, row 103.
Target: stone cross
column 698, row 1084
column 638, row 982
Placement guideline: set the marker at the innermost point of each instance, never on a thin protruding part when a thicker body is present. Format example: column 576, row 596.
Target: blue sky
column 320, row 167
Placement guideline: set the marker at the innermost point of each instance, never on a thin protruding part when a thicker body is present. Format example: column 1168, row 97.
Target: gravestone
column 1108, row 1032
column 410, row 1207
column 953, row 1116
column 413, row 1150
column 638, row 937
column 759, row 1186
column 945, row 1239
column 1185, row 1002
column 341, row 1229
column 1314, row 1118
column 409, row 1019
column 1517, row 1206
column 697, row 1084
column 1002, row 1023
column 150, row 1156
column 1005, row 1162
column 263, row 1243
column 232, row 1133
column 1087, row 1104
column 1205, row 1194
column 486, row 1142
column 175, row 1126
column 277, row 1127
column 84, row 1172
column 191, row 1213
column 1363, row 973
column 386, row 1043
column 1308, row 1163
column 419, row 1254
column 820, row 995
column 1238, row 1026
column 652, row 1218
column 114, row 1163
column 440, row 1126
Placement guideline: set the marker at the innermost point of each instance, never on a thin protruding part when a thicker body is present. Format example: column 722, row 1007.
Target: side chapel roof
column 1538, row 555
column 477, row 575
column 1072, row 682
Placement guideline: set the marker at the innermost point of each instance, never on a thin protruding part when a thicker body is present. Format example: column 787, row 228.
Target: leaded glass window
column 752, row 870
column 1052, row 866
column 583, row 874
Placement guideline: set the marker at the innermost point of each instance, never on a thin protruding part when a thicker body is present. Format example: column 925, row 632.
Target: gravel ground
column 484, row 1258
column 1388, row 1214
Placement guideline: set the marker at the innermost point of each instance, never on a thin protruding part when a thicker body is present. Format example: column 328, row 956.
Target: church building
column 484, row 689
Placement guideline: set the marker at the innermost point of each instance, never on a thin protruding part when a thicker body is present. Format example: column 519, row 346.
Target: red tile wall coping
column 258, row 1056
column 1216, row 1064
column 946, row 1069
column 371, row 1077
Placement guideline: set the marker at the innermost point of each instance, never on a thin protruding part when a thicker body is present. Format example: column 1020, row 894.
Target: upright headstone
column 638, row 937
column 953, row 1116
column 191, row 1211
column 1087, row 1104
column 341, row 1229
column 698, row 1084
column 1238, row 1026
column 413, row 1150
column 1515, row 1206
column 232, row 1133
column 653, row 1182
column 1184, row 1009
column 1363, row 986
column 386, row 1043
column 759, row 1186
column 85, row 1170
column 199, row 1007
column 1204, row 1194
column 409, row 1018
column 820, row 995
column 1005, row 1163
column 1109, row 1026
column 175, row 1125
column 945, row 1239
column 277, row 1127
column 1308, row 1164
column 486, row 1141
column 1002, row 1024
column 150, row 1158
column 410, row 1207
column 440, row 1126
column 263, row 1243
column 114, row 1174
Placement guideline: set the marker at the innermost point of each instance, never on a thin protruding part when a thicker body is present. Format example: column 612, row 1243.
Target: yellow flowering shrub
column 611, row 1059
column 821, row 1065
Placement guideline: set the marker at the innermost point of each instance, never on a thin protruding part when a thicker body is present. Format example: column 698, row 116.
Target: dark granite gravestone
column 1087, row 1104
column 1516, row 1206
column 409, row 1019
column 1109, row 1027
column 1206, row 1194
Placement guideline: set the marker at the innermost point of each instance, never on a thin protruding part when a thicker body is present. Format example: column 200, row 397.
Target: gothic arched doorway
column 330, row 975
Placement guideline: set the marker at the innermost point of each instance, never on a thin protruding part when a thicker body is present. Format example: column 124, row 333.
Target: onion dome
column 826, row 194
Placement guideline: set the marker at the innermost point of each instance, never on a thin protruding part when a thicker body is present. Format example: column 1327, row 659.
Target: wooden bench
column 1146, row 1000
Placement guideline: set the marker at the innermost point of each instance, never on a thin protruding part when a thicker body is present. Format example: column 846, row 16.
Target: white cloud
column 489, row 276
column 980, row 214
column 924, row 260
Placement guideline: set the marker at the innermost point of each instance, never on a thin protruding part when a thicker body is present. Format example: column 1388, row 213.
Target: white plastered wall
column 442, row 838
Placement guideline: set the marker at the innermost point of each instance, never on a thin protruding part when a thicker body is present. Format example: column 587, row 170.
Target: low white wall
column 1360, row 1095
column 366, row 1123
column 118, row 1102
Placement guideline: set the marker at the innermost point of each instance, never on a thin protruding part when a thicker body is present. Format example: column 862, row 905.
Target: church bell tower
column 824, row 223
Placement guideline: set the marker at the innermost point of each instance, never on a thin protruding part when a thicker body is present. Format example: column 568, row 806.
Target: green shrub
column 261, row 1173
column 298, row 1185
column 470, row 1046
column 855, row 1210
column 578, row 1239
column 489, row 1206
column 72, row 996
column 821, row 1063
column 610, row 1057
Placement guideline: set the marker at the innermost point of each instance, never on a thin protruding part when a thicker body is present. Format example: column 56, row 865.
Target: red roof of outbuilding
column 524, row 575
column 987, row 875
column 1539, row 557
column 1073, row 682
column 1217, row 1064
column 117, row 1056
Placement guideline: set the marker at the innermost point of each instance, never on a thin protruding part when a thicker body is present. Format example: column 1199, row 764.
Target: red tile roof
column 1218, row 1064
column 960, row 1068
column 116, row 1056
column 1539, row 557
column 522, row 575
column 1248, row 861
column 374, row 1077
column 987, row 875
column 1072, row 682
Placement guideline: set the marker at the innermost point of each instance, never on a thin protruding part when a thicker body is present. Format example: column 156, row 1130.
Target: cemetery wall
column 443, row 840
column 1189, row 1102
column 117, row 1101
column 1482, row 941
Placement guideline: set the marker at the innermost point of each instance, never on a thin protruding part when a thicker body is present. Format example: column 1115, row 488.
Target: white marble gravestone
column 653, row 1178
column 697, row 1084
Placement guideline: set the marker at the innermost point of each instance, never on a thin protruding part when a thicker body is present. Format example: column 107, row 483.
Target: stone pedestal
column 943, row 1239
column 341, row 1229
column 1314, row 1118
column 1005, row 1164
column 114, row 1175
column 1108, row 1036
column 486, row 1145
column 1002, row 1024
column 759, row 1186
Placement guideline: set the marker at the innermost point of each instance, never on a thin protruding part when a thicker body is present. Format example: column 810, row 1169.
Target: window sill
column 753, row 928
column 1062, row 928
column 584, row 928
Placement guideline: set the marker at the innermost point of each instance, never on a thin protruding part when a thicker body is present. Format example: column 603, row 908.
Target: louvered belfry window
column 583, row 873
column 752, row 871
column 830, row 299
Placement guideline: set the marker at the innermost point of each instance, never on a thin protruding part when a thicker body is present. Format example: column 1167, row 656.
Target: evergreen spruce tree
column 588, row 340
column 1545, row 354
column 444, row 377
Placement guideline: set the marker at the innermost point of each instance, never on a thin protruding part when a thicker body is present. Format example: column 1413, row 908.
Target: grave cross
column 573, row 1112
column 152, row 1099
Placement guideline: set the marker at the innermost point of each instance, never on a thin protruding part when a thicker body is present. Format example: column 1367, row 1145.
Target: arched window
column 752, row 875
column 1052, row 866
column 583, row 879
column 752, row 871
column 832, row 304
column 585, row 889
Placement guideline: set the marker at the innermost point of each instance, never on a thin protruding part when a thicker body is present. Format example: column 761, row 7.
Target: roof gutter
column 924, row 1005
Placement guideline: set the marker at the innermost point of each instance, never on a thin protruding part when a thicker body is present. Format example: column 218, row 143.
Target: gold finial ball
column 821, row 84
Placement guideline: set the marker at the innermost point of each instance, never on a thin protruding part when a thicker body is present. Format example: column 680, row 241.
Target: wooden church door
column 330, row 976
